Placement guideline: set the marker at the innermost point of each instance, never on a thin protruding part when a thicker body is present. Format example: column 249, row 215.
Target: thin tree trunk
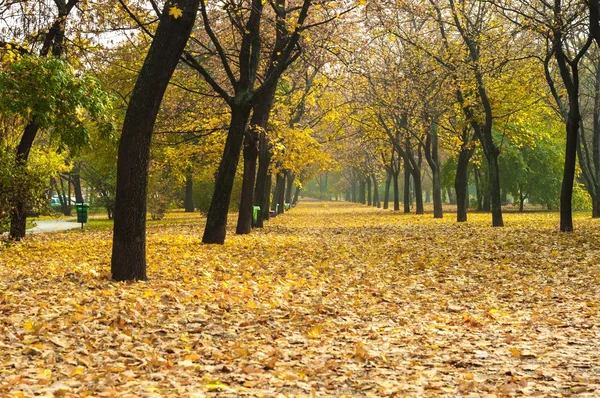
column 290, row 186
column 396, row 190
column 461, row 185
column 386, row 195
column 129, row 237
column 407, row 173
column 368, row 191
column 376, row 201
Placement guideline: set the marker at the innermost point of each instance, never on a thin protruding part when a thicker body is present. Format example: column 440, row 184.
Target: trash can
column 255, row 211
column 82, row 212
column 277, row 208
column 288, row 206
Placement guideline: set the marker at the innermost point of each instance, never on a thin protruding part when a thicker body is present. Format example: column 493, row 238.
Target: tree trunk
column 76, row 177
column 362, row 192
column 254, row 192
column 368, row 191
column 189, row 192
column 386, row 195
column 18, row 221
column 296, row 195
column 407, row 201
column 262, row 191
column 251, row 142
column 566, row 192
column 395, row 178
column 353, row 190
column 281, row 197
column 521, row 200
column 376, row 201
column 278, row 194
column 290, row 186
column 418, row 191
column 461, row 185
column 129, row 237
column 216, row 219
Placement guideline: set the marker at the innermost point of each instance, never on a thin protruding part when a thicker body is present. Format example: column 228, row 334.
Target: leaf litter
column 330, row 299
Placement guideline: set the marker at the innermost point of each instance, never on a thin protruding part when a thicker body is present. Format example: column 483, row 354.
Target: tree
column 129, row 237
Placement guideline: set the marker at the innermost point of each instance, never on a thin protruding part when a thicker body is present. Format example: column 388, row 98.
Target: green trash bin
column 255, row 211
column 288, row 206
column 277, row 208
column 82, row 213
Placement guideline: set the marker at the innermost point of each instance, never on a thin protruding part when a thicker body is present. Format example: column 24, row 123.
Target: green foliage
column 533, row 171
column 49, row 92
column 203, row 191
column 19, row 181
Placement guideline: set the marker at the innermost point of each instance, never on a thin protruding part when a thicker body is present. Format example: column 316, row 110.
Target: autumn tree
column 129, row 241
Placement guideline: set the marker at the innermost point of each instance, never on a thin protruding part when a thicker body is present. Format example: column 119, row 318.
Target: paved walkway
column 52, row 226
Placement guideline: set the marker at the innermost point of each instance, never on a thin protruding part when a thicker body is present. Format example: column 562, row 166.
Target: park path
column 52, row 226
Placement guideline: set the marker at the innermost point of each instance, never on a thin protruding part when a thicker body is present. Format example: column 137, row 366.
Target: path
column 52, row 226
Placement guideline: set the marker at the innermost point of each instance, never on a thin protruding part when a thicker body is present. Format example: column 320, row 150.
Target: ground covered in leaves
column 328, row 300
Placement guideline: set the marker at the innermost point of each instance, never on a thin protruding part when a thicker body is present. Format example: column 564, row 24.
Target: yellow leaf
column 28, row 326
column 251, row 304
column 175, row 12
column 515, row 352
column 315, row 332
column 216, row 385
column 79, row 370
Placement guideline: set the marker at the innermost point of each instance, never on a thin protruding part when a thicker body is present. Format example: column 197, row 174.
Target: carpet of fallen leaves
column 330, row 299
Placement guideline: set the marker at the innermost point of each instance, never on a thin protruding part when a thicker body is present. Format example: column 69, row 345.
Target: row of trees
column 475, row 90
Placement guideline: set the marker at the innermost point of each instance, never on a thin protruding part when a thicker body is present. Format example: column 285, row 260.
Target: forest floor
column 330, row 299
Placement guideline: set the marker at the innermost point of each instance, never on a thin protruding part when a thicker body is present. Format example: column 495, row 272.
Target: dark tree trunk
column 277, row 193
column 76, row 178
column 251, row 142
column 189, row 192
column 376, row 201
column 433, row 159
column 395, row 177
column 418, row 191
column 296, row 195
column 129, row 237
column 362, row 192
column 18, row 221
column 216, row 219
column 281, row 197
column 478, row 189
column 368, row 190
column 461, row 185
column 407, row 173
column 354, row 190
column 262, row 192
column 386, row 195
column 256, row 147
column 521, row 200
column 290, row 186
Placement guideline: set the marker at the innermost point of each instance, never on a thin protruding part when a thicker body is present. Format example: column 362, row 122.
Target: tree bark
column 407, row 174
column 290, row 186
column 386, row 195
column 368, row 191
column 461, row 185
column 251, row 142
column 216, row 219
column 376, row 201
column 129, row 238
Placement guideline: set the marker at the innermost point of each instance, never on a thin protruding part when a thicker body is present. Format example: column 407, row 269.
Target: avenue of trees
column 235, row 104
